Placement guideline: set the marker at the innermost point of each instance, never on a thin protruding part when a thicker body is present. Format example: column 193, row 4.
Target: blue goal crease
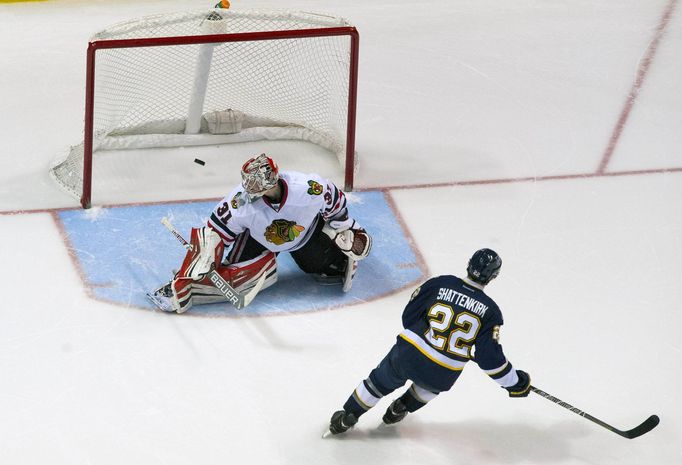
column 125, row 252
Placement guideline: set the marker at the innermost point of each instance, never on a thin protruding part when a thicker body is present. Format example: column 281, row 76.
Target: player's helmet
column 484, row 266
column 259, row 174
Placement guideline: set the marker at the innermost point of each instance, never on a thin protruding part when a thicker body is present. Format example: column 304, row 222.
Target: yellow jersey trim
column 431, row 353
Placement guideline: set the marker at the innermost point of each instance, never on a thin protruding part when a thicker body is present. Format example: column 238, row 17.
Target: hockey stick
column 646, row 426
column 235, row 298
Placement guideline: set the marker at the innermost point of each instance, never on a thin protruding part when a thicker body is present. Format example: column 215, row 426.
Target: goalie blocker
column 195, row 284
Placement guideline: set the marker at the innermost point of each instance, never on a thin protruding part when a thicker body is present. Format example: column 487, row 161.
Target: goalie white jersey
column 279, row 227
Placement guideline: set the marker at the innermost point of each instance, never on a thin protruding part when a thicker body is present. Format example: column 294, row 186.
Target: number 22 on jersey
column 461, row 334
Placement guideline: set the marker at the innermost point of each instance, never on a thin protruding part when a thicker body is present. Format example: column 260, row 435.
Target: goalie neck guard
column 259, row 174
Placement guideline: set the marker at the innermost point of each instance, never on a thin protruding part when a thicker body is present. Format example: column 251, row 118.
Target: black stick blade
column 648, row 424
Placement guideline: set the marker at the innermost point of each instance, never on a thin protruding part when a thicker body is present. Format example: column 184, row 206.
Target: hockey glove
column 349, row 237
column 522, row 387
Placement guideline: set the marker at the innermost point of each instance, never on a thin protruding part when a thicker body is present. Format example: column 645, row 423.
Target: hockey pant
column 192, row 285
column 392, row 373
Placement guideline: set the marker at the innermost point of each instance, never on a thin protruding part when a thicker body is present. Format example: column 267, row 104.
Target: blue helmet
column 484, row 266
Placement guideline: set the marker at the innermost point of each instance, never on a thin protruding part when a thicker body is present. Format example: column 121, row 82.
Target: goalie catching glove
column 349, row 237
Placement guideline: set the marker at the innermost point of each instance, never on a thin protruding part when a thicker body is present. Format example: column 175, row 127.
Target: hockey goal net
column 216, row 76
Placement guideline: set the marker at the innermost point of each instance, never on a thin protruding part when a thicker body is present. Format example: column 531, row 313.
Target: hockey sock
column 365, row 396
column 416, row 397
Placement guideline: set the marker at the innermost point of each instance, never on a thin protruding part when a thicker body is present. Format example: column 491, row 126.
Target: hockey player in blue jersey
column 445, row 319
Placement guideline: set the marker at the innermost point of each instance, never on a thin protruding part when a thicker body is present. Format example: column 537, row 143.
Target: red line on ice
column 642, row 71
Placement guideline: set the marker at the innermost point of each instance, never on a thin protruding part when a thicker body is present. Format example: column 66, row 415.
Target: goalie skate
column 161, row 297
column 346, row 279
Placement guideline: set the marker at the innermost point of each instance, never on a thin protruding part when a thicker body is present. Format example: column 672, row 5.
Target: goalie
column 270, row 212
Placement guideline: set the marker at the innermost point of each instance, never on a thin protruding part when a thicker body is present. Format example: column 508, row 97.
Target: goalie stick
column 235, row 298
column 643, row 428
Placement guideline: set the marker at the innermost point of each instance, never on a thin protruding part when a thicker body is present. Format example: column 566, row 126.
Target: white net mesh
column 156, row 96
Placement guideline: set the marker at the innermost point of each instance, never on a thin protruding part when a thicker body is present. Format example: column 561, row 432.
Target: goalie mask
column 259, row 174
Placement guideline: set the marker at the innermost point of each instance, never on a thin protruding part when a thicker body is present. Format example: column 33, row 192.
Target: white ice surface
column 450, row 91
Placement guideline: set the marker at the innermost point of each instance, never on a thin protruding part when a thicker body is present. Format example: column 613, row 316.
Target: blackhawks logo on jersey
column 281, row 231
column 237, row 201
column 315, row 188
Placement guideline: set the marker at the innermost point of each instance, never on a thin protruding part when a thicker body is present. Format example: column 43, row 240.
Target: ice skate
column 395, row 412
column 340, row 422
column 161, row 297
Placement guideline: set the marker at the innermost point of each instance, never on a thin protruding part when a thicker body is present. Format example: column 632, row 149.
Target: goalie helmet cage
column 164, row 81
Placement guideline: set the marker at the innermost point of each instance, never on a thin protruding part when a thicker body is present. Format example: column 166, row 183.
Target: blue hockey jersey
column 447, row 322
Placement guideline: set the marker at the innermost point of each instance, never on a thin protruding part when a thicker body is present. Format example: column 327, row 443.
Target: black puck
column 199, row 162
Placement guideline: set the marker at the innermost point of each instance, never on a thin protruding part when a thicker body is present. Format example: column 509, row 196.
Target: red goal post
column 161, row 81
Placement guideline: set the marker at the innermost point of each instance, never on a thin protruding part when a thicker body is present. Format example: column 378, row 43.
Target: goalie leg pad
column 244, row 275
column 183, row 294
column 241, row 276
column 206, row 250
column 349, row 274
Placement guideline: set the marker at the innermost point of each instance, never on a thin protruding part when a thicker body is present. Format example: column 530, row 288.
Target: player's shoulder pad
column 235, row 201
column 497, row 313
column 442, row 280
column 427, row 285
column 415, row 293
column 494, row 313
column 304, row 186
column 238, row 199
column 315, row 187
column 312, row 183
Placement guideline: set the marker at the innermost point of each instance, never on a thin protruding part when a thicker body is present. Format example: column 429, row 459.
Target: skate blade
column 386, row 427
column 328, row 280
column 160, row 304
column 386, row 431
